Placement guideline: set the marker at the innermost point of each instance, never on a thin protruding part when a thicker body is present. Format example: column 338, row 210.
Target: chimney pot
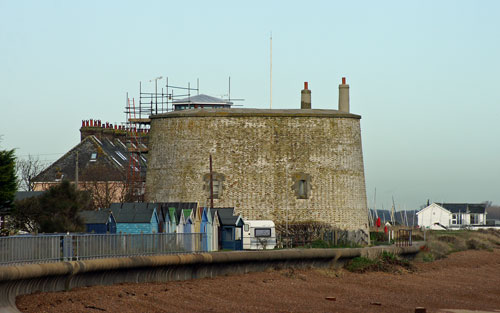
column 306, row 85
column 343, row 80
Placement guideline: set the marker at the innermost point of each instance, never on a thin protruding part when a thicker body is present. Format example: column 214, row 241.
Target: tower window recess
column 302, row 185
column 218, row 184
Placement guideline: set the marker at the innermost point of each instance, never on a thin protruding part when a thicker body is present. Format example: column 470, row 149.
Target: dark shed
column 99, row 222
column 231, row 227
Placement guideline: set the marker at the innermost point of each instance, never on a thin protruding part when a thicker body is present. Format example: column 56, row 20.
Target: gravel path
column 464, row 280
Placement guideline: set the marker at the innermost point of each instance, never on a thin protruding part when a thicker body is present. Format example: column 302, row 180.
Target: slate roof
column 464, row 207
column 133, row 212
column 21, row 195
column 95, row 217
column 202, row 99
column 113, row 154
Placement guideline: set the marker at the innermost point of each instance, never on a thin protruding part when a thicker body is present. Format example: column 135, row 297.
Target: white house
column 451, row 215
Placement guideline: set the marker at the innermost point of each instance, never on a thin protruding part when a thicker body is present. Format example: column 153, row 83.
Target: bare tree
column 27, row 169
column 105, row 185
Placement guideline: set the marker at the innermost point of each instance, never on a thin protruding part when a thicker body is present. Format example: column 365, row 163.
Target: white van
column 259, row 235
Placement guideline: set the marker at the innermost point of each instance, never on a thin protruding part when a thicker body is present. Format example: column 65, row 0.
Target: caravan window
column 263, row 232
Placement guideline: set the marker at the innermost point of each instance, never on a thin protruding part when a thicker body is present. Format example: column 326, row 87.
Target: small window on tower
column 93, row 157
column 303, row 189
column 302, row 185
column 218, row 184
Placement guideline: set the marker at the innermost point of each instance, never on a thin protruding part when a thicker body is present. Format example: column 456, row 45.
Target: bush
column 361, row 265
column 477, row 244
column 386, row 262
column 438, row 249
column 456, row 243
column 318, row 243
column 377, row 236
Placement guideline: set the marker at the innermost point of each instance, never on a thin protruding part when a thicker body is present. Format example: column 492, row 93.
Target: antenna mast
column 271, row 73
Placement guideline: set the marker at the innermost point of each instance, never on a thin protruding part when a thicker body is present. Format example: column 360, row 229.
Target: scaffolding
column 138, row 123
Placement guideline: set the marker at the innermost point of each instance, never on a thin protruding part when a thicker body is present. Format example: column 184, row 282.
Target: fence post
column 67, row 247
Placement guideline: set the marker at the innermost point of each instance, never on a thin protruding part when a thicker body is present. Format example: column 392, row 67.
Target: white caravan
column 259, row 235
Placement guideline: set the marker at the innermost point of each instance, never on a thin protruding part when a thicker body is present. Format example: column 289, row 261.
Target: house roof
column 95, row 217
column 464, row 207
column 112, row 154
column 202, row 99
column 133, row 212
column 21, row 195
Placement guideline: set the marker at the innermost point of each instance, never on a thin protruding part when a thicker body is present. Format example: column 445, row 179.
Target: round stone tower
column 295, row 165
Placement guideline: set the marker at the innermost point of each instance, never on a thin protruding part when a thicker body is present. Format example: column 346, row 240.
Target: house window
column 454, row 219
column 93, row 157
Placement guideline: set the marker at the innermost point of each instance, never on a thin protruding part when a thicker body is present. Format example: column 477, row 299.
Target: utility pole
column 211, row 185
column 76, row 171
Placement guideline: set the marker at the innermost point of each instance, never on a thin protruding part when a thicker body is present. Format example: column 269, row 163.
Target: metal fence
column 404, row 238
column 54, row 248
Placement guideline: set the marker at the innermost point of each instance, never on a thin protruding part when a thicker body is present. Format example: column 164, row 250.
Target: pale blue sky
column 423, row 75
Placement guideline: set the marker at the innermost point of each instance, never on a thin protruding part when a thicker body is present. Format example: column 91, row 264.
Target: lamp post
column 156, row 92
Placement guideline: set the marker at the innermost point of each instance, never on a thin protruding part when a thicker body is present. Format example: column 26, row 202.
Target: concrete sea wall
column 27, row 279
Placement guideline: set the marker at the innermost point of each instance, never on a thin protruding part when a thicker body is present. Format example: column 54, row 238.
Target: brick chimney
column 305, row 97
column 344, row 96
column 102, row 130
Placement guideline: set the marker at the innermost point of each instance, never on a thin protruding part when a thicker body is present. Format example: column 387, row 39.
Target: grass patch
column 386, row 262
column 441, row 243
column 361, row 265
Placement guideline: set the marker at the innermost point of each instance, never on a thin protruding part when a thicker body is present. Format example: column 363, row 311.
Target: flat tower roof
column 225, row 112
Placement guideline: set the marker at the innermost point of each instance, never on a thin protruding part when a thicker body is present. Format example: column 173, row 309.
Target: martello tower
column 296, row 165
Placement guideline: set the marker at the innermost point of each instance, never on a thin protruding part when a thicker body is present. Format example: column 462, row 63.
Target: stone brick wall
column 262, row 154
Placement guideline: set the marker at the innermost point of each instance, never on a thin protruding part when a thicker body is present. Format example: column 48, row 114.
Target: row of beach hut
column 222, row 228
